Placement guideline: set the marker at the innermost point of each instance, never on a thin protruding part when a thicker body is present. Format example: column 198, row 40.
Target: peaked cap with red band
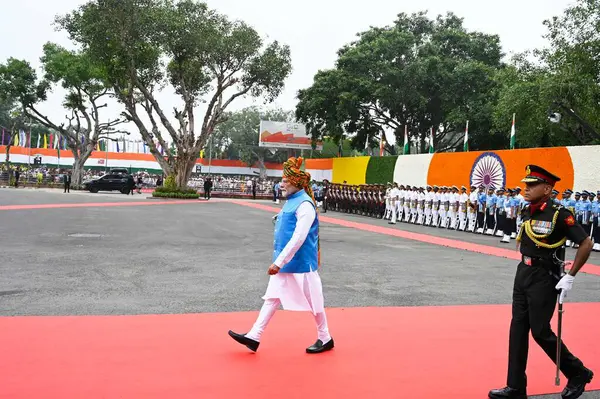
column 537, row 174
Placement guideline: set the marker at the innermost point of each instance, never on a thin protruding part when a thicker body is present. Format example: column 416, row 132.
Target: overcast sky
column 314, row 29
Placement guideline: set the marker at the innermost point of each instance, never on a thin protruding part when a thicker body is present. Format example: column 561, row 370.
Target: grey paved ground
column 209, row 257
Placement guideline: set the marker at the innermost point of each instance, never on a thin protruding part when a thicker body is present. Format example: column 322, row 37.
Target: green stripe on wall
column 380, row 170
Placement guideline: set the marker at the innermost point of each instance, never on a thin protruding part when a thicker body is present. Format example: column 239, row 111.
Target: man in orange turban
column 294, row 281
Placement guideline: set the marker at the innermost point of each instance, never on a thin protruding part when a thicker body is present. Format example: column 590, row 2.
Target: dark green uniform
column 546, row 227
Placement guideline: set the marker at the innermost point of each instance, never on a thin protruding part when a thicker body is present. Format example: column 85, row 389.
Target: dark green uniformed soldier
column 546, row 226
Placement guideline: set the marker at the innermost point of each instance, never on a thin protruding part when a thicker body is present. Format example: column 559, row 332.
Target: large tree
column 563, row 78
column 419, row 73
column 145, row 45
column 86, row 93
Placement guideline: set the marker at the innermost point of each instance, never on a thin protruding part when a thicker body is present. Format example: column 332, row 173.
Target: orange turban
column 297, row 177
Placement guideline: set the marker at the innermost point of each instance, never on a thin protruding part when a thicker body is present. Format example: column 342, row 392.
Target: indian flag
column 406, row 149
column 466, row 142
column 431, row 149
column 512, row 134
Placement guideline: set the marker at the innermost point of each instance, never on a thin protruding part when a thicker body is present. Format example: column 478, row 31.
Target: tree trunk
column 7, row 162
column 77, row 175
column 263, row 168
column 184, row 166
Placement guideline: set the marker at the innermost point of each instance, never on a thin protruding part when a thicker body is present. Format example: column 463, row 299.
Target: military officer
column 543, row 232
column 463, row 201
column 595, row 224
column 435, row 207
column 472, row 209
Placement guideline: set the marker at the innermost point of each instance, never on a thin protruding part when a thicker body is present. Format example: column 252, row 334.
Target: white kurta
column 297, row 291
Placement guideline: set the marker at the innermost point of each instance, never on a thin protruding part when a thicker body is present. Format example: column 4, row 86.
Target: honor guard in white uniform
column 388, row 202
column 437, row 198
column 444, row 207
column 428, row 205
column 463, row 203
column 421, row 206
column 454, row 200
column 394, row 198
column 472, row 209
column 406, row 206
column 414, row 195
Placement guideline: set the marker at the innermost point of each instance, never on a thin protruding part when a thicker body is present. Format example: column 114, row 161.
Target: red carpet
column 508, row 252
column 421, row 352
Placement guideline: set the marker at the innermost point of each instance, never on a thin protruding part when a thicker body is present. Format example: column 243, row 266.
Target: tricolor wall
column 578, row 167
column 134, row 161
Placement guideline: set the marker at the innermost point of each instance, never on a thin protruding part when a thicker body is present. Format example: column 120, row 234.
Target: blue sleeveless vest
column 306, row 258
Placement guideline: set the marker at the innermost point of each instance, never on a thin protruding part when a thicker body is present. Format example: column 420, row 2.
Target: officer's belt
column 544, row 263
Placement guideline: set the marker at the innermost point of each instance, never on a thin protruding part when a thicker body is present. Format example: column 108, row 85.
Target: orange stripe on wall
column 130, row 156
column 319, row 164
column 449, row 169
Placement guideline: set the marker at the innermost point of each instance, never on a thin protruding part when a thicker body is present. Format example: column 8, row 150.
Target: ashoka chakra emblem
column 489, row 171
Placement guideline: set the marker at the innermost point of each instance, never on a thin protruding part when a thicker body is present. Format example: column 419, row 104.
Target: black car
column 109, row 182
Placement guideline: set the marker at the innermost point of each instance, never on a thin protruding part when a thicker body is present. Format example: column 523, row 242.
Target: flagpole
column 29, row 152
column 466, row 140
column 513, row 139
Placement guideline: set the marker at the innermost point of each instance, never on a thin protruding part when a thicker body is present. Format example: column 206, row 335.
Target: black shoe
column 318, row 346
column 242, row 339
column 576, row 385
column 507, row 393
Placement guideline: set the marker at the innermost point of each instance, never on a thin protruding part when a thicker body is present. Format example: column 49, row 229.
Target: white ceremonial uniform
column 406, row 207
column 472, row 211
column 444, row 201
column 428, row 206
column 435, row 220
column 294, row 291
column 394, row 198
column 453, row 198
column 388, row 204
column 462, row 211
column 420, row 207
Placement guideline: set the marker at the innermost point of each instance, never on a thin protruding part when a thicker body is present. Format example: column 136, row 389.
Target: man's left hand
column 273, row 270
column 565, row 285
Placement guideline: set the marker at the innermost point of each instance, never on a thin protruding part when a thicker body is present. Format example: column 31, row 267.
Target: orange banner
column 503, row 168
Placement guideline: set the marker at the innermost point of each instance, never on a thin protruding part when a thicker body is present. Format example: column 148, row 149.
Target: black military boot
column 576, row 385
column 507, row 393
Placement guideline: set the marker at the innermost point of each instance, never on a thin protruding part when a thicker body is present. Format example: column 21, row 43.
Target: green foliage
column 144, row 45
column 380, row 170
column 169, row 184
column 173, row 189
column 176, row 194
column 418, row 72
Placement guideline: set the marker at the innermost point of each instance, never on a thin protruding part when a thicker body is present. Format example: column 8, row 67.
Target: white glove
column 565, row 284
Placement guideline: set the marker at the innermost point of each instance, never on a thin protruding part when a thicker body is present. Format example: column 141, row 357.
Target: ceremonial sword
column 562, row 272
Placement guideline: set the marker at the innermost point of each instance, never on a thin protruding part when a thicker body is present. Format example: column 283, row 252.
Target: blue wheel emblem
column 488, row 170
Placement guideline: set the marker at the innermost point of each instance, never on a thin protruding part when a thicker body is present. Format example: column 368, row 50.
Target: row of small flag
column 59, row 142
column 406, row 148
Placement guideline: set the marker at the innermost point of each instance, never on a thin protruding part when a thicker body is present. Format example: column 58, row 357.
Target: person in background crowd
column 67, row 182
